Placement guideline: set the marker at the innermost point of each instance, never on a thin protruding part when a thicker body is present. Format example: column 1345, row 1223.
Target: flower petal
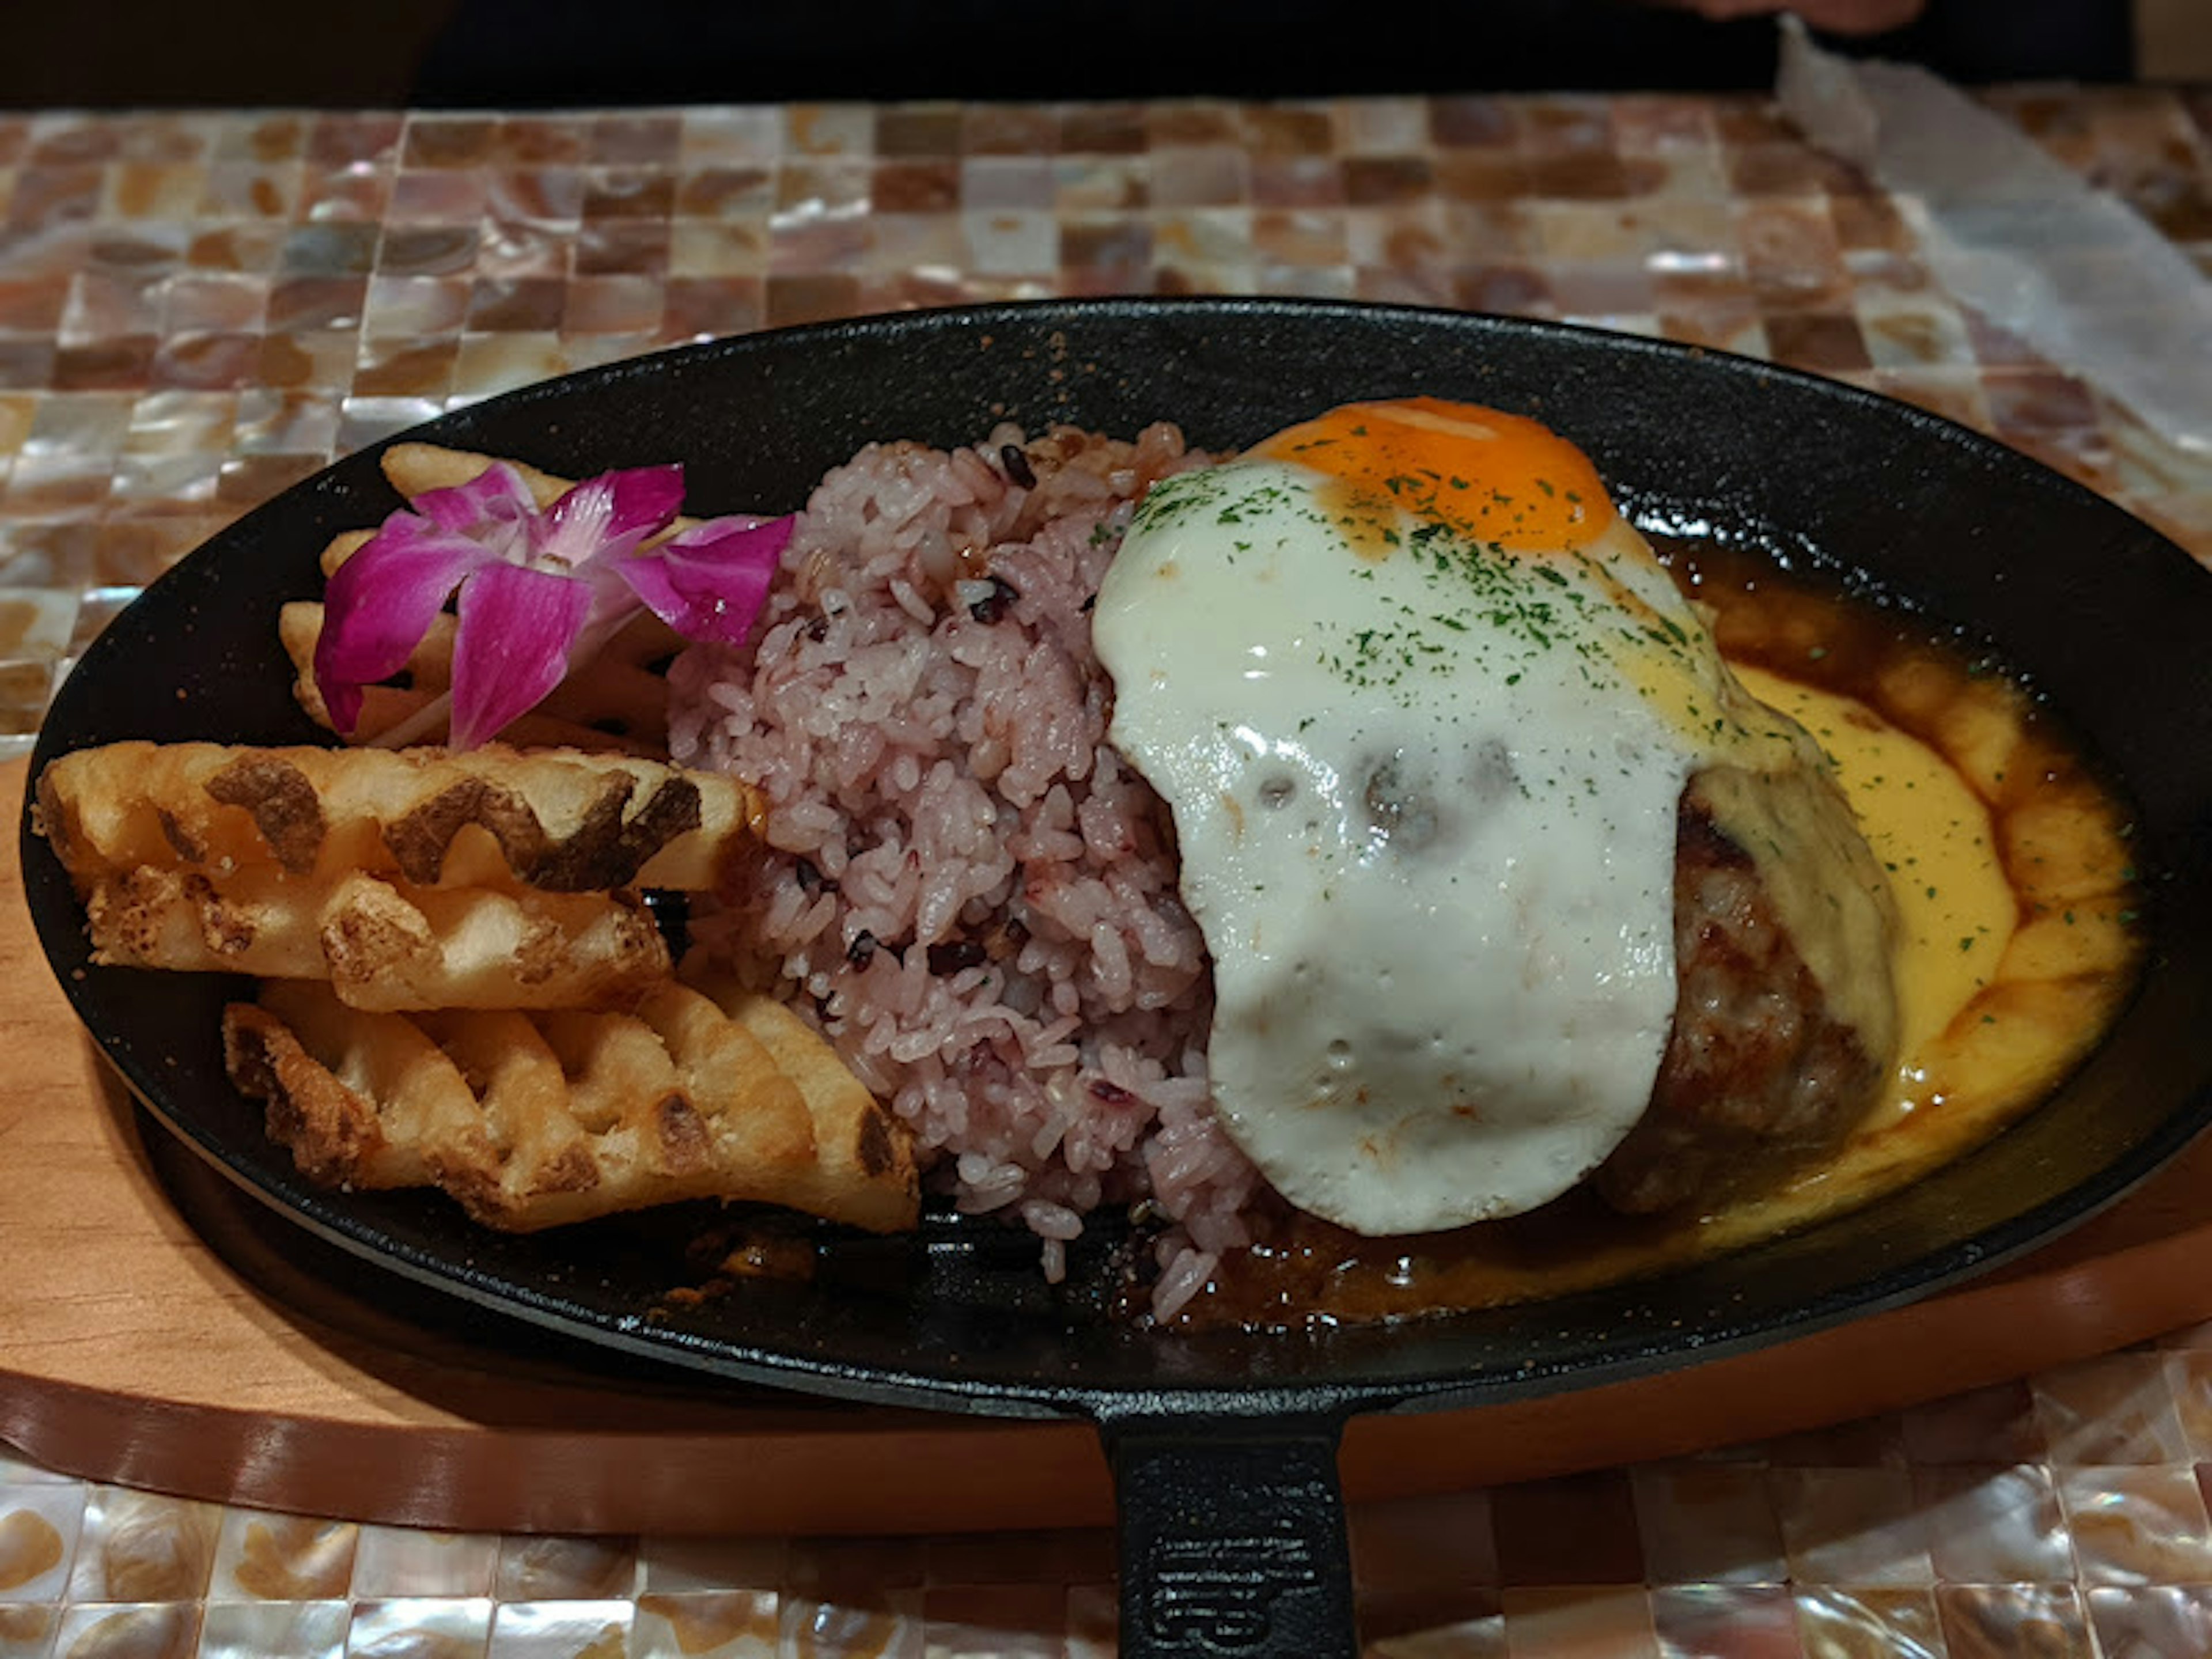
column 496, row 496
column 708, row 583
column 510, row 647
column 381, row 602
column 607, row 516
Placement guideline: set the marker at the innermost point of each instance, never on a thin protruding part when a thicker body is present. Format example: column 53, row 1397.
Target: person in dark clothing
column 524, row 53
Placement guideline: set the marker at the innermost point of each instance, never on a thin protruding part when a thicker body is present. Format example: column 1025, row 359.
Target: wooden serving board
column 240, row 1361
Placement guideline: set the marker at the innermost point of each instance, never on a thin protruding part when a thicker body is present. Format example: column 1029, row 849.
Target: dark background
column 537, row 53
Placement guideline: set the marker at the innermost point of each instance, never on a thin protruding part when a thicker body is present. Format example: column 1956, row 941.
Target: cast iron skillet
column 1224, row 1445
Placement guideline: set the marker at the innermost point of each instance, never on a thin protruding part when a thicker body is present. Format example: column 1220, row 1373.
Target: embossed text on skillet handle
column 1231, row 1538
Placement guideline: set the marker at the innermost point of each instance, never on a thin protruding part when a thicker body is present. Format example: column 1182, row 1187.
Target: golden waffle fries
column 554, row 821
column 462, row 987
column 531, row 1121
column 386, row 947
column 383, row 945
column 412, row 879
column 856, row 1141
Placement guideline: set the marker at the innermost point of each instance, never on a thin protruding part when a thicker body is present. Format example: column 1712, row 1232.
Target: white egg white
column 1427, row 806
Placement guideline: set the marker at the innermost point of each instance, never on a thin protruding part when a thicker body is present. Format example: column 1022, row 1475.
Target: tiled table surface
column 197, row 310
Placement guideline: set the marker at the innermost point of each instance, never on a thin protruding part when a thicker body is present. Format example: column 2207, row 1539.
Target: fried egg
column 1423, row 705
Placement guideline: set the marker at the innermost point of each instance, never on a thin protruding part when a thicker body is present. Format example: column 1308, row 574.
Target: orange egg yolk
column 1497, row 478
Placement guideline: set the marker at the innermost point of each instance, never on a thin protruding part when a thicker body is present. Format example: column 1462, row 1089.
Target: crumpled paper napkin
column 2070, row 269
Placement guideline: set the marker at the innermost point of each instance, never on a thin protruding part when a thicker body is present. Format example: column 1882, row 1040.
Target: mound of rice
column 975, row 895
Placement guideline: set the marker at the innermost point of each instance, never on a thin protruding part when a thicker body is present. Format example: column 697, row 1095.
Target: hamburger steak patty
column 1758, row 1072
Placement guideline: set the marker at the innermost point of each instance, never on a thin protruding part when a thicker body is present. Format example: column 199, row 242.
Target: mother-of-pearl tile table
column 196, row 310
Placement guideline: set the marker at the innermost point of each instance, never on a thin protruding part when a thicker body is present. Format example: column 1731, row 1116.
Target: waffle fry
column 360, row 1099
column 536, row 1121
column 862, row 1152
column 410, row 880
column 383, row 945
column 558, row 821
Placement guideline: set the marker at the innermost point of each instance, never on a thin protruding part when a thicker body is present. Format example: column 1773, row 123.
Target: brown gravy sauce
column 2049, row 983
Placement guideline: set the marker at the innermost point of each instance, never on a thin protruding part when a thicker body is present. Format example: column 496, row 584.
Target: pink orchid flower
column 539, row 591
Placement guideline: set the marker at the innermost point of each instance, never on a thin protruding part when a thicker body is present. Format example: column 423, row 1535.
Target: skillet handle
column 1231, row 1538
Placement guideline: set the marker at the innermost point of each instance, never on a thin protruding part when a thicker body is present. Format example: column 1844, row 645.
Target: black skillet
column 1224, row 1445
